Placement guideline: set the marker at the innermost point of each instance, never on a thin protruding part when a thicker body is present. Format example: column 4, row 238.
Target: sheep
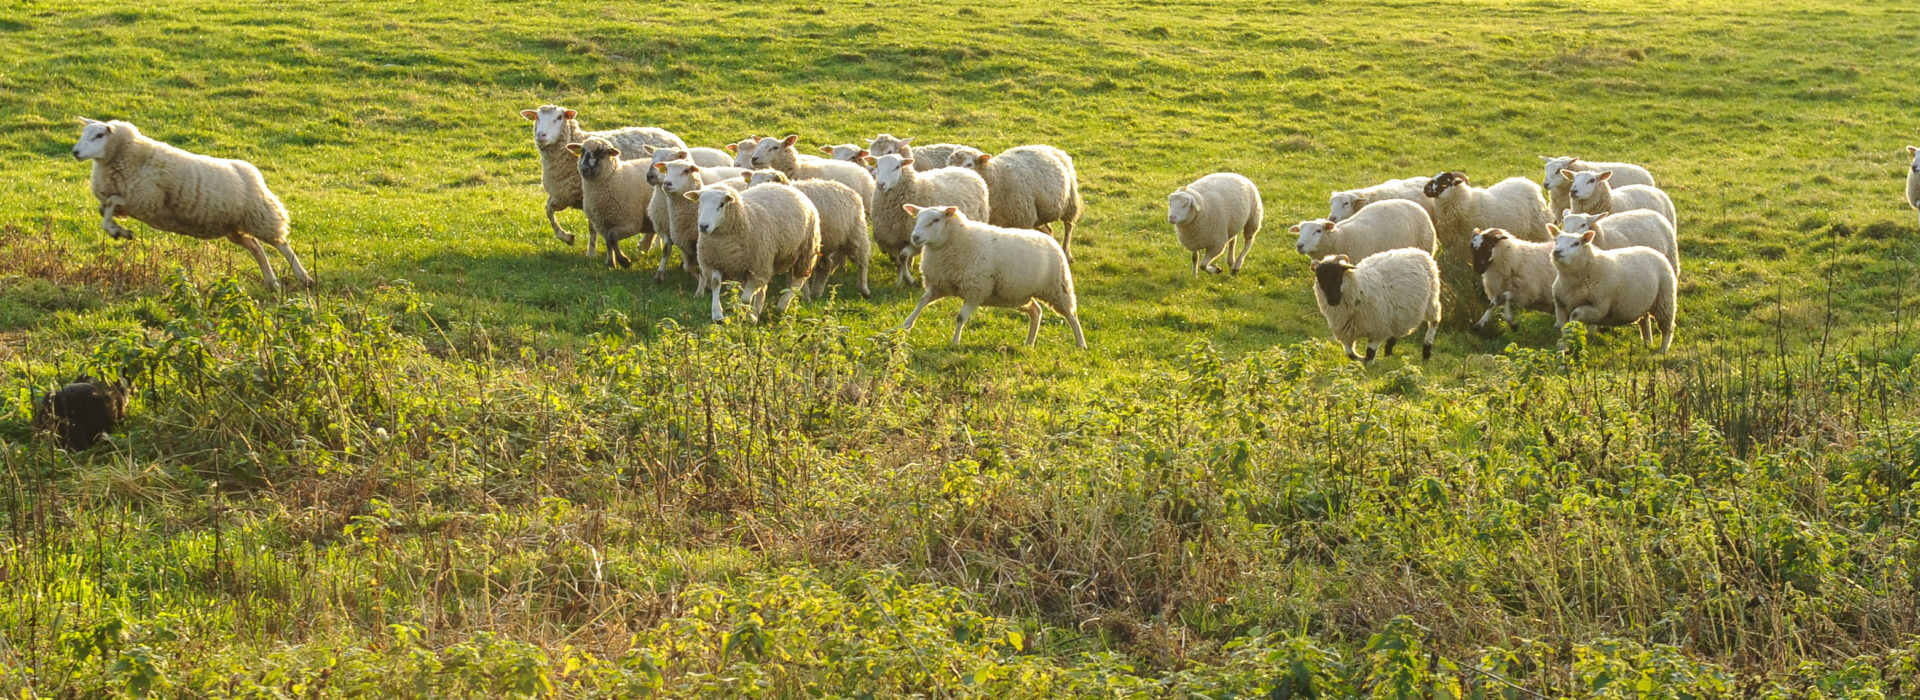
column 1386, row 296
column 987, row 265
column 1513, row 204
column 1381, row 226
column 780, row 155
column 176, row 191
column 1624, row 174
column 677, row 178
column 753, row 234
column 848, row 152
column 1592, row 193
column 843, row 226
column 614, row 194
column 1628, row 228
column 1029, row 187
column 553, row 128
column 80, row 412
column 1613, row 287
column 743, row 152
column 900, row 183
column 1209, row 213
column 700, row 155
column 1343, row 204
column 932, row 157
column 1513, row 273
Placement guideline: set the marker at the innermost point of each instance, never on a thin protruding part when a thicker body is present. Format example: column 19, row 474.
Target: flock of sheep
column 981, row 224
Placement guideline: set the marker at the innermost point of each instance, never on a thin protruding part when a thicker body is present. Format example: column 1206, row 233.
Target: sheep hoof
column 1477, row 326
column 566, row 238
column 1426, row 352
column 1211, row 269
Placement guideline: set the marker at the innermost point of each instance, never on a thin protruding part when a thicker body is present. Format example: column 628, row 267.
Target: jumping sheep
column 899, row 183
column 677, row 178
column 1592, row 193
column 1029, row 187
column 843, row 227
column 780, row 155
column 80, row 412
column 1613, row 287
column 1624, row 174
column 614, row 194
column 753, row 234
column 1513, row 273
column 553, row 128
column 987, row 265
column 932, row 157
column 1210, row 213
column 1381, row 226
column 1386, row 296
column 1513, row 204
column 1341, row 205
column 185, row 193
column 1626, row 229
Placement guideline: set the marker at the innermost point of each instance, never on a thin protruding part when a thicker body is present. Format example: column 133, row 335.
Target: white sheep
column 931, row 157
column 1624, row 174
column 780, row 155
column 843, row 226
column 677, row 178
column 1513, row 204
column 899, row 183
column 553, row 128
column 1513, row 273
column 1614, row 287
column 1029, row 187
column 1593, row 193
column 753, row 234
column 180, row 192
column 1380, row 226
column 1385, row 296
column 1209, row 214
column 988, row 265
column 615, row 195
column 700, row 155
column 742, row 151
column 1630, row 228
column 848, row 152
column 1343, row 204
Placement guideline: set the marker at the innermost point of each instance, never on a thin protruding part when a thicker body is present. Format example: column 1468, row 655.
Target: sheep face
column 1585, row 183
column 770, row 151
column 549, row 124
column 679, row 177
column 94, row 138
column 969, row 158
column 1571, row 249
column 1343, row 204
column 1443, row 182
column 887, row 170
column 1330, row 274
column 1554, row 176
column 1485, row 243
column 848, row 152
column 932, row 225
column 598, row 157
column 743, row 151
column 885, row 145
column 1182, row 206
column 761, row 177
column 1915, row 152
column 1311, row 233
column 656, row 175
column 716, row 203
column 1580, row 223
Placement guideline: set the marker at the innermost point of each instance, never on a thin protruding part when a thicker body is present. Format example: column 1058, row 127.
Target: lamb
column 1386, row 296
column 900, row 183
column 186, row 193
column 1209, row 213
column 553, row 128
column 1913, row 177
column 1381, row 226
column 843, row 226
column 614, row 194
column 1029, row 187
column 1341, row 205
column 753, row 234
column 779, row 154
column 987, row 265
column 848, row 152
column 1624, row 174
column 677, row 178
column 80, row 412
column 1513, row 273
column 1613, row 287
column 1591, row 193
column 932, row 157
column 1625, row 229
column 1513, row 204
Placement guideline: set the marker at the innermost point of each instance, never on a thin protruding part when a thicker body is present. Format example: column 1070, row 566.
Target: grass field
column 475, row 462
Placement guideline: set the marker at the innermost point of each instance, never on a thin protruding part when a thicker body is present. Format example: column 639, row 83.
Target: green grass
column 476, row 462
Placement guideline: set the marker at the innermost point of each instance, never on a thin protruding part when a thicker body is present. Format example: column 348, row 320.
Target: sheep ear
column 528, row 113
column 906, row 140
column 573, row 148
column 1294, row 229
column 869, row 160
column 827, row 150
column 646, row 150
column 953, row 211
column 908, row 161
column 1564, row 213
column 791, row 139
column 863, row 153
column 1602, row 215
column 1605, row 174
column 615, row 152
column 693, row 196
column 911, row 209
column 1553, row 230
column 662, row 167
column 1545, row 159
column 733, row 148
column 570, row 114
column 1478, row 231
column 1911, row 150
column 1587, row 237
column 1566, row 173
column 981, row 162
column 84, row 120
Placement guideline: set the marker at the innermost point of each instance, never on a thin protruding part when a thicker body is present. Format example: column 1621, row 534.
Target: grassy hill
column 475, row 462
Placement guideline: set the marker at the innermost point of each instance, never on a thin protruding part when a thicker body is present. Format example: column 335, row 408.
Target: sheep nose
column 706, row 229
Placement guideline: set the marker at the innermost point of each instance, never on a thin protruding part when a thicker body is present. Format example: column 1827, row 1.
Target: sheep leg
column 904, row 259
column 1246, row 246
column 966, row 312
column 113, row 228
column 794, row 286
column 1506, row 300
column 1645, row 323
column 1372, row 345
column 1033, row 321
column 712, row 281
column 260, row 256
column 1348, row 346
column 1488, row 316
column 865, row 260
column 1079, row 338
column 1233, row 244
column 1207, row 258
column 1389, row 349
column 1426, row 346
column 1196, row 264
column 592, row 235
column 558, row 232
column 299, row 271
column 615, row 257
column 666, row 255
column 753, row 293
column 1066, row 242
column 929, row 297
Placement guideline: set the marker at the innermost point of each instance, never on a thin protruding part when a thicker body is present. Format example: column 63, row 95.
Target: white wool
column 988, row 265
column 553, row 128
column 1343, row 204
column 1513, row 273
column 1626, row 229
column 924, row 157
column 1614, row 287
column 1383, row 297
column 1594, row 193
column 1623, row 173
column 1378, row 227
column 1210, row 213
column 1514, row 204
column 186, row 193
column 677, row 178
column 753, row 234
column 1028, row 187
column 843, row 226
column 898, row 183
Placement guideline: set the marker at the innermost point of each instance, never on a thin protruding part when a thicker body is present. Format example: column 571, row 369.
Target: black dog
column 79, row 412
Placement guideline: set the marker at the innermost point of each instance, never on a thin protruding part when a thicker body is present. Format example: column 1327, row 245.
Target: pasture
column 474, row 462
